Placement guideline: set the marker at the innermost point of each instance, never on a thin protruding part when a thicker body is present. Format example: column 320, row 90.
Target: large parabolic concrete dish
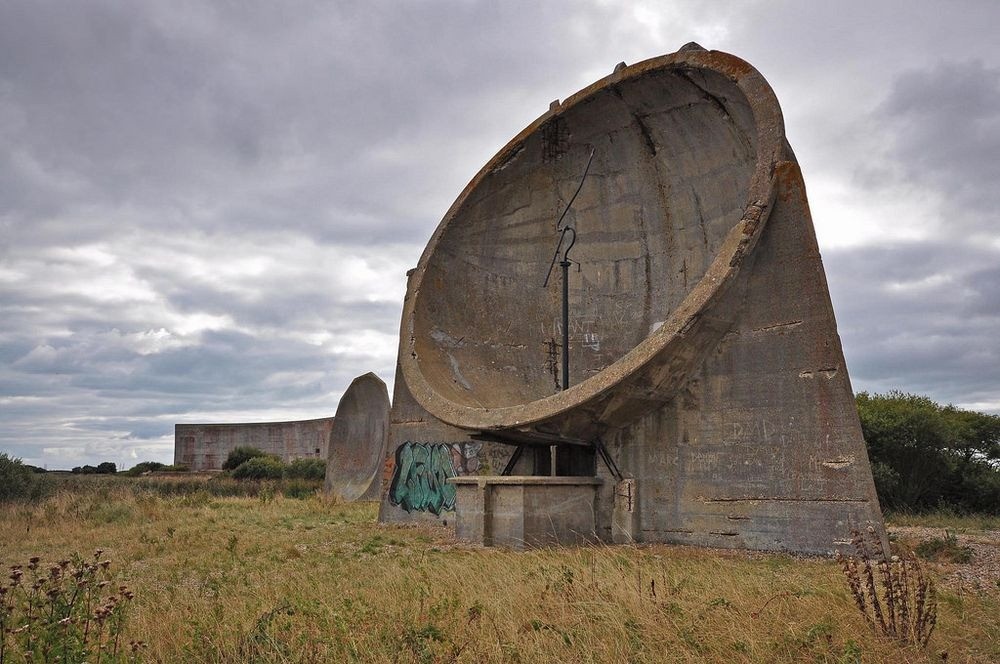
column 358, row 440
column 702, row 345
column 683, row 174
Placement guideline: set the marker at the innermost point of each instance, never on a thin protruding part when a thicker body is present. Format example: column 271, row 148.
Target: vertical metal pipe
column 565, row 348
column 565, row 323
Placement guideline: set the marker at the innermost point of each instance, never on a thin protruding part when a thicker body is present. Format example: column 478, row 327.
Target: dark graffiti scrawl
column 420, row 477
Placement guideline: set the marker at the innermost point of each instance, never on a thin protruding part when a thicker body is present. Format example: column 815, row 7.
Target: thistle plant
column 893, row 593
column 69, row 611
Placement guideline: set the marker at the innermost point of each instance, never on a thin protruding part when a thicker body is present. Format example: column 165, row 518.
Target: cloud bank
column 207, row 210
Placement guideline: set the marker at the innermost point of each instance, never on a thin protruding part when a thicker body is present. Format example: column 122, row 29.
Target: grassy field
column 274, row 579
column 946, row 519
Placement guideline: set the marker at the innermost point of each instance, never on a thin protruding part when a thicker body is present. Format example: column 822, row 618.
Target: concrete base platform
column 526, row 511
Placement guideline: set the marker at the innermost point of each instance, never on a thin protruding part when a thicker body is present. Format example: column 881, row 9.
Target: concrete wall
column 420, row 492
column 206, row 446
column 519, row 511
column 762, row 448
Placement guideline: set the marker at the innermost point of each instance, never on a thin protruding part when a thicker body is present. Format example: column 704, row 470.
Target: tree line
column 927, row 456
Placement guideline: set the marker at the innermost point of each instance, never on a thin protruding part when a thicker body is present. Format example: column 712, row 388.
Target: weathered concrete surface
column 703, row 345
column 762, row 448
column 524, row 511
column 412, row 428
column 685, row 147
column 358, row 440
column 206, row 446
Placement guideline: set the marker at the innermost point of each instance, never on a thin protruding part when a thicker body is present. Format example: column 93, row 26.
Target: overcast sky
column 207, row 209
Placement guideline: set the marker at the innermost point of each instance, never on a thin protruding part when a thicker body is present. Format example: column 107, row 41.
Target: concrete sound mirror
column 706, row 399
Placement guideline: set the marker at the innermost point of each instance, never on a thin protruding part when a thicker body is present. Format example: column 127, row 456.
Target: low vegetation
column 65, row 611
column 260, row 468
column 143, row 468
column 266, row 578
column 893, row 593
column 103, row 468
column 944, row 549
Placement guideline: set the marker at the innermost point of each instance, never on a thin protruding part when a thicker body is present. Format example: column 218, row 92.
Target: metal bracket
column 608, row 461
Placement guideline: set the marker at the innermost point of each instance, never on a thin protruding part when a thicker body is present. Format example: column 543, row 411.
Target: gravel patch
column 981, row 574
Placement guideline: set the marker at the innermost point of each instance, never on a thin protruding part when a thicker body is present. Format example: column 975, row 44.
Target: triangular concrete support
column 762, row 447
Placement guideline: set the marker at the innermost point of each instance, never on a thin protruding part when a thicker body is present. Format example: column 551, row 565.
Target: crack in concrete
column 778, row 326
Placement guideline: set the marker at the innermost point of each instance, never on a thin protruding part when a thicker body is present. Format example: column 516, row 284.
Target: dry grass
column 944, row 518
column 245, row 579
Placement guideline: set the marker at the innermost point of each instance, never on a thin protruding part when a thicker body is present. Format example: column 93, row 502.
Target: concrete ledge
column 526, row 511
column 525, row 480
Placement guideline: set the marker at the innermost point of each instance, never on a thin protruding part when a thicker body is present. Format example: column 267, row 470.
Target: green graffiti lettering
column 420, row 479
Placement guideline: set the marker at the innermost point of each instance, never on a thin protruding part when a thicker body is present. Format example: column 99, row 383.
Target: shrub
column 144, row 467
column 175, row 468
column 18, row 481
column 240, row 455
column 944, row 549
column 925, row 455
column 306, row 469
column 260, row 468
column 103, row 468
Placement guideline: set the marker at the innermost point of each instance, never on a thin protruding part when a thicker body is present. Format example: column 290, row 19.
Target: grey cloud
column 911, row 317
column 946, row 122
column 185, row 107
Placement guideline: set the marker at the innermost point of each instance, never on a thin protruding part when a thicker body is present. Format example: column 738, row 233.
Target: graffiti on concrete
column 465, row 457
column 420, row 476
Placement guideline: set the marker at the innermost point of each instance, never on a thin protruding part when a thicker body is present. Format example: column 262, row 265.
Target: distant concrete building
column 206, row 446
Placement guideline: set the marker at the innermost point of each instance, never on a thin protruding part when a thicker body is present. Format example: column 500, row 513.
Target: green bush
column 103, row 468
column 240, row 455
column 144, row 467
column 306, row 469
column 260, row 468
column 18, row 481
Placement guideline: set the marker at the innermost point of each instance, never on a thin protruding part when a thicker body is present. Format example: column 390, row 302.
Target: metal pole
column 565, row 263
column 565, row 349
column 565, row 323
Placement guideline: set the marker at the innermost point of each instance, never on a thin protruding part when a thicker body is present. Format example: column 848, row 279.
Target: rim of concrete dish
column 724, row 267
